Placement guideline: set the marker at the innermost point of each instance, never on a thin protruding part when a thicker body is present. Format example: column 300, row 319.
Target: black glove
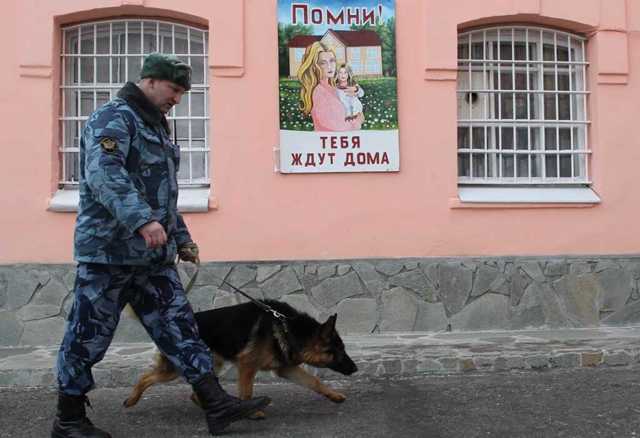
column 189, row 252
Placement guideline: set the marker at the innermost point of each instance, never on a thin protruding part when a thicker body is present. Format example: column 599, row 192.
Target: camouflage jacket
column 128, row 177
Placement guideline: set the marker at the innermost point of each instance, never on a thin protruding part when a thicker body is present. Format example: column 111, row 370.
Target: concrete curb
column 401, row 354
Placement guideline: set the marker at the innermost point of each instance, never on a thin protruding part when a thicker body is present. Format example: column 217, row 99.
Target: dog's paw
column 258, row 415
column 336, row 397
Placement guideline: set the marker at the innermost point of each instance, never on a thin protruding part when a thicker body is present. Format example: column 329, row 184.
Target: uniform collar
column 143, row 106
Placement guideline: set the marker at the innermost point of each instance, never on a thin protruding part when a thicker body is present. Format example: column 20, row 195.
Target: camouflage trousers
column 157, row 296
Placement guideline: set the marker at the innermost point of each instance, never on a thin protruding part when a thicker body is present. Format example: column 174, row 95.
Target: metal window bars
column 522, row 107
column 98, row 58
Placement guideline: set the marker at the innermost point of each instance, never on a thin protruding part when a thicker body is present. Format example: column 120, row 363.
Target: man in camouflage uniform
column 127, row 237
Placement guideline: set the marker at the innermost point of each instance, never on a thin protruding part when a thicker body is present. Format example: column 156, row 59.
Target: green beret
column 169, row 67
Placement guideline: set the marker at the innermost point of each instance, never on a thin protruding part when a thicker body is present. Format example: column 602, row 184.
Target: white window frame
column 372, row 66
column 354, row 60
column 194, row 166
column 486, row 67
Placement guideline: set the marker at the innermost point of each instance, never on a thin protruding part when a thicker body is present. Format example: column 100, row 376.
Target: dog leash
column 279, row 316
column 281, row 334
column 192, row 280
column 260, row 304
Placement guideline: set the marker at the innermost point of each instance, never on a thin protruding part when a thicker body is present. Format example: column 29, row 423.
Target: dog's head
column 327, row 350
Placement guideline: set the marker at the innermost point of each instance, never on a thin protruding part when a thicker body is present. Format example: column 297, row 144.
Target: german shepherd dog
column 254, row 340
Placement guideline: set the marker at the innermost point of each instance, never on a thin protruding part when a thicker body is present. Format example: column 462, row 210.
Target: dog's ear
column 329, row 326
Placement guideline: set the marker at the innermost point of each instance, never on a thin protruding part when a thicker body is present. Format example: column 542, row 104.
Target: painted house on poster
column 515, row 205
column 361, row 49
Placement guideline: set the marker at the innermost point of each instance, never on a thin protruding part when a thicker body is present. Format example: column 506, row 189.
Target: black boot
column 71, row 420
column 222, row 409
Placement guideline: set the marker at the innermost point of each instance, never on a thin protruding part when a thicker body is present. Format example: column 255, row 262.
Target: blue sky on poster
column 284, row 10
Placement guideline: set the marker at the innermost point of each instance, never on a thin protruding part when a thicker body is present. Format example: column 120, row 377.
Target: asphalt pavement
column 576, row 402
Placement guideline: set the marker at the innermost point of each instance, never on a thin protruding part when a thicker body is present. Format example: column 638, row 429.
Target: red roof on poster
column 350, row 38
column 303, row 40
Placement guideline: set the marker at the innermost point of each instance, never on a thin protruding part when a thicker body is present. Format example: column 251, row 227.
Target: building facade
column 514, row 205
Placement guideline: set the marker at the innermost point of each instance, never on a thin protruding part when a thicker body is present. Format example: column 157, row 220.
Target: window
column 299, row 54
column 372, row 63
column 522, row 110
column 98, row 58
column 372, row 67
column 354, row 61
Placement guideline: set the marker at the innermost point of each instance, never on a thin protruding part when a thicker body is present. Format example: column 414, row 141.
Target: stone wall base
column 369, row 295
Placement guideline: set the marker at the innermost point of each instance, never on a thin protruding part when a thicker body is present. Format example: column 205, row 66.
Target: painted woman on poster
column 318, row 95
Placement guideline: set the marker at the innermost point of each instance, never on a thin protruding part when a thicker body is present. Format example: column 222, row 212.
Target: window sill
column 524, row 197
column 190, row 200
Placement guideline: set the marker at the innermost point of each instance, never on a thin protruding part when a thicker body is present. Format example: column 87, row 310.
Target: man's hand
column 154, row 234
column 189, row 252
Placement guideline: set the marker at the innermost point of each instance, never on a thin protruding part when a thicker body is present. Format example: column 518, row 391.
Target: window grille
column 522, row 107
column 98, row 58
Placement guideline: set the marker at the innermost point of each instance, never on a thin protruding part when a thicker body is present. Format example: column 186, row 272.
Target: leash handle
column 194, row 253
column 193, row 279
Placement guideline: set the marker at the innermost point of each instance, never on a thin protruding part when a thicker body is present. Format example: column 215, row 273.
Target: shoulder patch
column 109, row 145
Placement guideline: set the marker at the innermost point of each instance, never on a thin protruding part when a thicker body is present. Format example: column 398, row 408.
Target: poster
column 338, row 87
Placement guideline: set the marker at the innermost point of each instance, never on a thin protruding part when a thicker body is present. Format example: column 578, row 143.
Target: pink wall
column 262, row 215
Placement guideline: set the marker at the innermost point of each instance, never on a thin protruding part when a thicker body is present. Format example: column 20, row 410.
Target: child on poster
column 349, row 92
